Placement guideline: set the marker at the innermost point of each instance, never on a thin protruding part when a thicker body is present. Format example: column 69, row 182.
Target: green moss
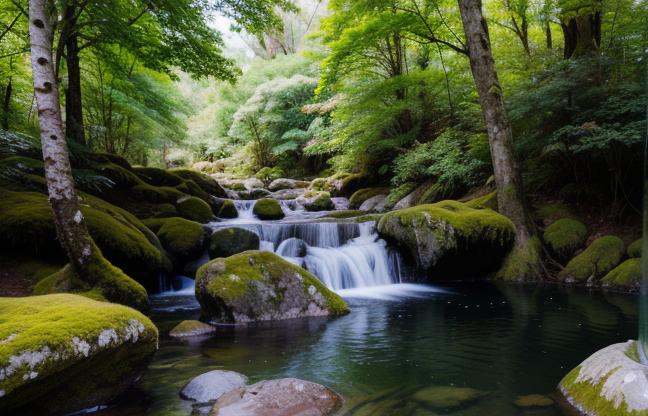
column 322, row 202
column 522, row 264
column 432, row 195
column 182, row 238
column 38, row 270
column 264, row 265
column 205, row 182
column 166, row 210
column 155, row 194
column 398, row 193
column 124, row 178
column 228, row 210
column 363, row 194
column 628, row 274
column 154, row 224
column 193, row 189
column 191, row 328
column 230, row 241
column 195, row 209
column 103, row 278
column 551, row 213
column 369, row 217
column 565, row 236
column 67, row 380
column 345, row 214
column 158, row 177
column 603, row 255
column 23, row 164
column 634, row 249
column 321, row 184
column 589, row 397
column 238, row 187
column 268, row 209
column 487, row 201
column 110, row 158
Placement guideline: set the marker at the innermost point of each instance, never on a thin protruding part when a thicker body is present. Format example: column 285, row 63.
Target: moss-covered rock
column 158, row 177
column 228, row 210
column 603, row 255
column 156, row 194
column 346, row 184
column 261, row 286
column 548, row 214
column 433, row 194
column 204, row 181
column 165, row 211
column 191, row 329
column 105, row 282
column 362, row 195
column 320, row 202
column 110, row 158
column 181, row 238
column 634, row 249
column 532, row 401
column 627, row 276
column 38, row 270
column 564, row 237
column 64, row 353
column 345, row 214
column 268, row 209
column 230, row 241
column 608, row 383
column 27, row 227
column 442, row 397
column 194, row 209
column 448, row 239
column 487, row 201
column 253, row 194
column 123, row 177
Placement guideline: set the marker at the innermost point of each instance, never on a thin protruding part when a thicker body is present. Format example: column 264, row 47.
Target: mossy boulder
column 204, row 181
column 181, row 238
column 191, row 329
column 268, row 209
column 282, row 183
column 345, row 214
column 320, row 202
column 261, row 286
column 104, row 282
column 27, row 227
column 228, row 210
column 608, row 383
column 634, row 249
column 156, row 194
column 627, row 276
column 487, row 201
column 564, row 237
column 362, row 195
column 449, row 240
column 345, row 184
column 603, row 255
column 65, row 353
column 194, row 209
column 165, row 211
column 230, row 241
column 253, row 194
column 158, row 177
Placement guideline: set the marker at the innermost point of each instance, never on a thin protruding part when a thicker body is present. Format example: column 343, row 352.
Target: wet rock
column 371, row 203
column 320, row 201
column 191, row 329
column 228, row 210
column 533, row 400
column 209, row 387
column 448, row 239
column 203, row 166
column 287, row 194
column 362, row 195
column 283, row 397
column 253, row 183
column 412, row 198
column 194, row 209
column 448, row 397
column 268, row 209
column 65, row 353
column 256, row 193
column 261, row 286
column 230, row 241
column 283, row 183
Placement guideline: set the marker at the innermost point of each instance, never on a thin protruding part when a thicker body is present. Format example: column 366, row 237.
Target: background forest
column 376, row 87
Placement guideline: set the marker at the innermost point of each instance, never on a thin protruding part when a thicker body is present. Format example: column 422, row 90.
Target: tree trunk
column 73, row 106
column 5, row 107
column 548, row 33
column 582, row 35
column 510, row 196
column 69, row 222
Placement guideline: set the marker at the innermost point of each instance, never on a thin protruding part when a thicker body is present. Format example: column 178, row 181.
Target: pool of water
column 505, row 340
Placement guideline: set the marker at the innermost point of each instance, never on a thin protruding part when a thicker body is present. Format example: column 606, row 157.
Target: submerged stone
column 64, row 353
column 533, row 400
column 209, row 387
column 449, row 239
column 283, row 397
column 608, row 383
column 261, row 286
column 191, row 329
column 448, row 397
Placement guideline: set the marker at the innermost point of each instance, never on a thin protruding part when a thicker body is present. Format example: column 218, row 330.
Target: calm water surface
column 505, row 340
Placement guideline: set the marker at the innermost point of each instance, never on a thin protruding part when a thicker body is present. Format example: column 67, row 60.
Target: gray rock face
column 283, row 397
column 230, row 241
column 253, row 183
column 608, row 378
column 412, row 198
column 255, row 193
column 371, row 203
column 211, row 386
column 283, row 183
column 287, row 194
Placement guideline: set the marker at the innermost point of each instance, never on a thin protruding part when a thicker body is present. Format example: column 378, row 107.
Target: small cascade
column 245, row 209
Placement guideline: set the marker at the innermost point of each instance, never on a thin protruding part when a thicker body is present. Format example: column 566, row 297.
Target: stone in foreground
column 609, row 383
column 261, row 286
column 283, row 397
column 191, row 329
column 64, row 353
column 209, row 387
column 449, row 239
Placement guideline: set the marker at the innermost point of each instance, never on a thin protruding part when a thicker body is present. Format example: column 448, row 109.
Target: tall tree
column 69, row 222
column 581, row 25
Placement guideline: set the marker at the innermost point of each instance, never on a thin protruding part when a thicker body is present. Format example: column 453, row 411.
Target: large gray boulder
column 253, row 183
column 413, row 197
column 209, row 387
column 372, row 202
column 283, row 397
column 283, row 183
column 261, row 286
column 449, row 240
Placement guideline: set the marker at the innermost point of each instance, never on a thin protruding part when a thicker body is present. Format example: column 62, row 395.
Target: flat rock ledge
column 282, row 397
column 611, row 382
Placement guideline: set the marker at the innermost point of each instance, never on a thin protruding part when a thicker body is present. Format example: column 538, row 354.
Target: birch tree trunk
column 510, row 195
column 70, row 225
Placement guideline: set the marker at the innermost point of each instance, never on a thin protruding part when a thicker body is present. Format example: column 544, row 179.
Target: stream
column 400, row 338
